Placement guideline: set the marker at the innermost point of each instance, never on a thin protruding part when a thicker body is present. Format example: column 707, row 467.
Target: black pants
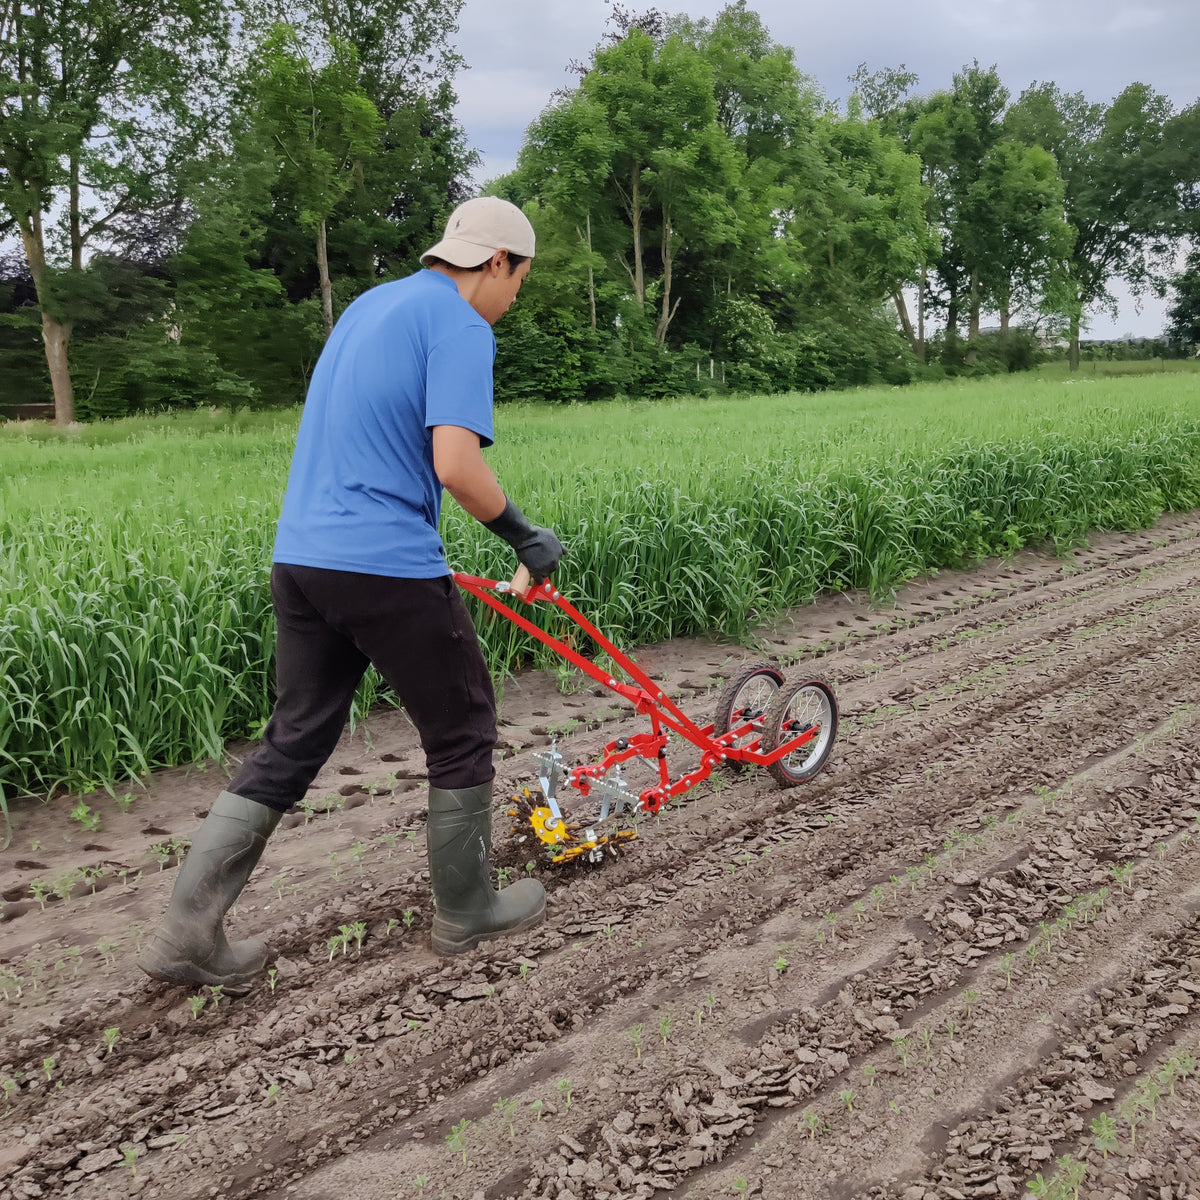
column 419, row 636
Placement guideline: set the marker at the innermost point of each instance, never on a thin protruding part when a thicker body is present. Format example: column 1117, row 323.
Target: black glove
column 537, row 548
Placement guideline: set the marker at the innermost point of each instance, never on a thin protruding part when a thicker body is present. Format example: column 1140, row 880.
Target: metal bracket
column 550, row 770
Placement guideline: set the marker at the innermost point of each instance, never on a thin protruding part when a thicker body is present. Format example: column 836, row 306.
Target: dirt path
column 967, row 955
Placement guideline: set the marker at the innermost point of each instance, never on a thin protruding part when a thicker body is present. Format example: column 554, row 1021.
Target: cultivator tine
column 615, row 796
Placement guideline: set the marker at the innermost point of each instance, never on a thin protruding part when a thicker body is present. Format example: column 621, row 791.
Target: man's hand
column 537, row 547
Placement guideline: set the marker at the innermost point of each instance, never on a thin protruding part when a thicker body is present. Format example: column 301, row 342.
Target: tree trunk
column 55, row 334
column 905, row 320
column 591, row 273
column 952, row 310
column 1073, row 352
column 973, row 321
column 921, row 310
column 635, row 218
column 326, row 285
column 668, row 256
column 76, row 220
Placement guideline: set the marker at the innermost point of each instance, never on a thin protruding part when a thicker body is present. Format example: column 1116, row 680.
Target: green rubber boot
column 190, row 946
column 469, row 909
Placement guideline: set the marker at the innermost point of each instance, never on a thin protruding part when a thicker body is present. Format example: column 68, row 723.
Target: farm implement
column 760, row 721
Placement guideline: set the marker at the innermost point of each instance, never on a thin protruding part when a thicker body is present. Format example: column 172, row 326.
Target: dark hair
column 514, row 261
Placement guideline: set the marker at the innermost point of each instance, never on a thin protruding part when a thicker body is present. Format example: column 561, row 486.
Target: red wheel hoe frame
column 740, row 744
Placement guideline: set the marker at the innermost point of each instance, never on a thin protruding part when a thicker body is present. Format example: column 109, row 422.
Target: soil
column 941, row 969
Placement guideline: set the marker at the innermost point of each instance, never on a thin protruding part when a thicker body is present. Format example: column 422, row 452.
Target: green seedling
column 781, row 965
column 524, row 971
column 87, row 819
column 358, row 931
column 565, row 1088
column 334, row 942
column 217, row 991
column 813, row 1122
column 272, row 1094
column 457, row 1138
column 105, row 948
column 272, row 979
column 1122, row 875
column 927, row 1042
column 419, row 1184
column 741, row 1185
column 970, row 999
column 870, row 1073
column 197, row 1003
column 1104, row 1133
column 392, row 922
column 111, row 1037
column 10, row 1088
column 664, row 1028
column 951, row 1027
column 848, row 1097
column 507, row 1110
column 1007, row 962
column 124, row 802
column 635, row 1036
column 901, row 1046
column 131, row 1155
column 408, row 916
column 1131, row 1110
column 39, row 889
column 536, row 1107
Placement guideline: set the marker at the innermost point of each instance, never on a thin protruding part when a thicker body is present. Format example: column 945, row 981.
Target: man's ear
column 499, row 261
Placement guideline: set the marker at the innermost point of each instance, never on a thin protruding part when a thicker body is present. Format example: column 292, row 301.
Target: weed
column 131, row 1154
column 566, row 1087
column 781, row 965
column 111, row 1037
column 272, row 1094
column 419, row 1184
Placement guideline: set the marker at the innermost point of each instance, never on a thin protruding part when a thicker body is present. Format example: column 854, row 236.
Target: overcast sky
column 518, row 50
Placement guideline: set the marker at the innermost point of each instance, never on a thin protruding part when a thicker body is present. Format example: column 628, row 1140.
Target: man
column 399, row 407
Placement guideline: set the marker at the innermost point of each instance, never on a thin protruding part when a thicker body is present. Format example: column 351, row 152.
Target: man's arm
column 458, row 463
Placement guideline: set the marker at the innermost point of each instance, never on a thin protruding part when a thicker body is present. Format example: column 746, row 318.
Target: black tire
column 794, row 709
column 753, row 689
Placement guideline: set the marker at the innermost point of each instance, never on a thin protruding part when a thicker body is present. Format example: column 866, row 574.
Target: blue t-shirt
column 362, row 494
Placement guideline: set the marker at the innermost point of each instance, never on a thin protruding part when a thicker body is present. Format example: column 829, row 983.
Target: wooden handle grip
column 521, row 580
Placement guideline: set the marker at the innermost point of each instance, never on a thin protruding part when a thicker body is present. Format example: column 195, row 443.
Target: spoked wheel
column 745, row 700
column 809, row 706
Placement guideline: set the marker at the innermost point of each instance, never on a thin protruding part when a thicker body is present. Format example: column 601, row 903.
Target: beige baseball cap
column 480, row 227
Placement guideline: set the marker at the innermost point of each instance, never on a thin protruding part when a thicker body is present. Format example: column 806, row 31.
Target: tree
column 1183, row 329
column 103, row 103
column 322, row 126
column 1130, row 173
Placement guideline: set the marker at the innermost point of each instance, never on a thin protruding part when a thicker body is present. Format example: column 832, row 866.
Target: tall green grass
column 135, row 622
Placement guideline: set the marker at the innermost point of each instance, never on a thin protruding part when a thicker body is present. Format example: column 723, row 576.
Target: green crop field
column 135, row 624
